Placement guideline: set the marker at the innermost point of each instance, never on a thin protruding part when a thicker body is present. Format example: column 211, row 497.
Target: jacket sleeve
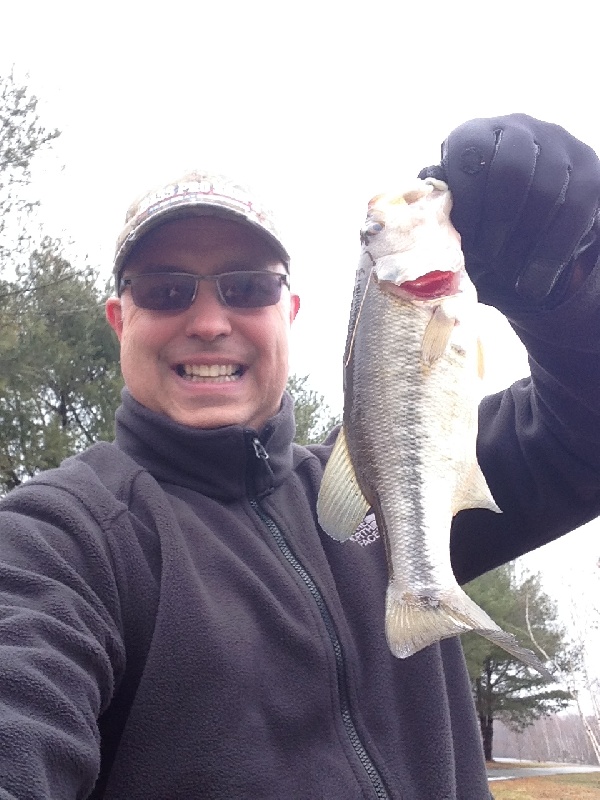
column 539, row 440
column 61, row 648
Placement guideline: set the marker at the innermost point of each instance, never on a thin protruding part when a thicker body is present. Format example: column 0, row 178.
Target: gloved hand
column 526, row 203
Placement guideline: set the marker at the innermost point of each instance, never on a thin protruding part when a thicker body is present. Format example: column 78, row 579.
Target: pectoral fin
column 437, row 335
column 480, row 359
column 341, row 505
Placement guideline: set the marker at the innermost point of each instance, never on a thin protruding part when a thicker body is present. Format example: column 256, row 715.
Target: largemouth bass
column 406, row 448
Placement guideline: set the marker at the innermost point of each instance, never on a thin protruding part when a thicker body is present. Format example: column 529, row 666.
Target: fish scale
column 407, row 447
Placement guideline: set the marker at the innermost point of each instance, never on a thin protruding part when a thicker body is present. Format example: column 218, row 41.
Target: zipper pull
column 260, row 478
column 259, row 450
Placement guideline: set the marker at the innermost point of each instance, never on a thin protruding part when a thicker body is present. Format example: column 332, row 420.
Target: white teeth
column 226, row 372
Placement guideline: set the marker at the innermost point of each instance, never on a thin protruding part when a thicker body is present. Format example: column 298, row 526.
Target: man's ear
column 114, row 315
column 294, row 306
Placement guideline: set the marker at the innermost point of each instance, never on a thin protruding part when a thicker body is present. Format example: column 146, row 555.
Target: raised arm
column 526, row 199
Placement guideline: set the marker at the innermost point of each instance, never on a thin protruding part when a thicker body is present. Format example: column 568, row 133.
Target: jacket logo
column 367, row 532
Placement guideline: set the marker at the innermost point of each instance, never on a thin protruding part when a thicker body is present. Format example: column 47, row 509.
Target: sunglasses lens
column 176, row 291
column 250, row 289
column 163, row 292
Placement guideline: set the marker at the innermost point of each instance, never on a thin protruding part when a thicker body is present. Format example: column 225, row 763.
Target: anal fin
column 474, row 492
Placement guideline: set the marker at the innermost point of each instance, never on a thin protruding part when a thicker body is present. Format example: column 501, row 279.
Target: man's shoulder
column 319, row 451
column 110, row 464
column 102, row 477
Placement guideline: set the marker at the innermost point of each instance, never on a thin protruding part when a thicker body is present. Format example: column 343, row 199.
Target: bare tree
column 22, row 138
column 577, row 668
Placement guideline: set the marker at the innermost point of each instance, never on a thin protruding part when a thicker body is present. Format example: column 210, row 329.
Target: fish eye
column 370, row 228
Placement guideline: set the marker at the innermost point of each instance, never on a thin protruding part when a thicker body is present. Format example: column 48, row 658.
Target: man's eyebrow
column 239, row 265
column 154, row 269
column 244, row 266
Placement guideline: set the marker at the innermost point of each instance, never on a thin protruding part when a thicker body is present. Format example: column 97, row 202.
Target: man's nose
column 208, row 318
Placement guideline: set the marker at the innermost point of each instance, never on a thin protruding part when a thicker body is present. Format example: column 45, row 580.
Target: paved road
column 508, row 772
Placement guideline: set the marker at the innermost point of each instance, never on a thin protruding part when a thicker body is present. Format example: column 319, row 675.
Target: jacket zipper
column 355, row 741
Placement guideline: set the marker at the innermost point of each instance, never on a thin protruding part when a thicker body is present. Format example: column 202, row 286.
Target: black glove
column 526, row 197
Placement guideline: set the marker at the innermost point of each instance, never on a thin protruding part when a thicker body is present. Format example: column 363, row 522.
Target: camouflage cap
column 195, row 194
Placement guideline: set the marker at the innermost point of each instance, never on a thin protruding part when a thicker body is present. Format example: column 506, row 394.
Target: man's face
column 160, row 350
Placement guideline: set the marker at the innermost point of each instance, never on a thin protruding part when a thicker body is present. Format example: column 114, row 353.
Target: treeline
column 60, row 379
column 560, row 737
column 59, row 366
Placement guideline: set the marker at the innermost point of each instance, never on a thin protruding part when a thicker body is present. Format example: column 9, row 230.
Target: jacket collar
column 223, row 463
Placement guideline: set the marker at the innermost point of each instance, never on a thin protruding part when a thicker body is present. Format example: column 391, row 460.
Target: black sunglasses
column 176, row 291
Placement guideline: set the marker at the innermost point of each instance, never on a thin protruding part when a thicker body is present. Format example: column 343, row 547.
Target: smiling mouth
column 210, row 373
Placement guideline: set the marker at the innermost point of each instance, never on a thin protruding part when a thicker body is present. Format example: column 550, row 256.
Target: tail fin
column 412, row 623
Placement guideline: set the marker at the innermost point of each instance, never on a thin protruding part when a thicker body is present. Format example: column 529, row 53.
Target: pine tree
column 503, row 687
column 313, row 416
column 59, row 365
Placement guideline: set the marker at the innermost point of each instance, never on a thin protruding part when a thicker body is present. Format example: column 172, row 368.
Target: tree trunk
column 62, row 411
column 485, row 710
column 487, row 734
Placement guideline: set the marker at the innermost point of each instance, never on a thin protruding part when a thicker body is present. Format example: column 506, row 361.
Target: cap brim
column 192, row 210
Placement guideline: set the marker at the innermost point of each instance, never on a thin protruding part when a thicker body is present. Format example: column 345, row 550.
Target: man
column 174, row 623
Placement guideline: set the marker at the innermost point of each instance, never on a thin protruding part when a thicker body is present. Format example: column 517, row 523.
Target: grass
column 582, row 786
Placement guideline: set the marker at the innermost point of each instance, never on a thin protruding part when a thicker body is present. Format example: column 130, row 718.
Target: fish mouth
column 431, row 286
